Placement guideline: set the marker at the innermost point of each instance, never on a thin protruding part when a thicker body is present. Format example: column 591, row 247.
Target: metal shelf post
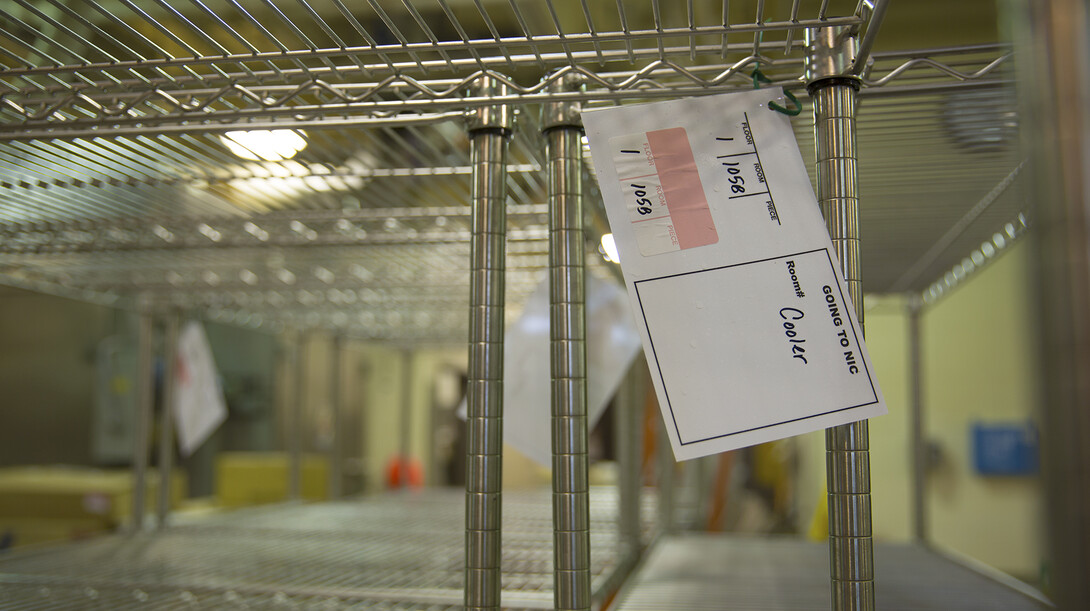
column 166, row 427
column 489, row 128
column 145, row 397
column 298, row 363
column 1053, row 43
column 405, row 422
column 628, row 436
column 666, row 481
column 561, row 127
column 918, row 435
column 834, row 94
column 336, row 364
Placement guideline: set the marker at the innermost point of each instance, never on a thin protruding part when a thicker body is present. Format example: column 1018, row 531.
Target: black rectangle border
column 662, row 380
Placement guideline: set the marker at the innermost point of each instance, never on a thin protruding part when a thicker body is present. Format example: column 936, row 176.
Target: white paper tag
column 746, row 322
column 613, row 342
column 199, row 406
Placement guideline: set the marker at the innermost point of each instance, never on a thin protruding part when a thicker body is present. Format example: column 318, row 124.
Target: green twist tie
column 759, row 77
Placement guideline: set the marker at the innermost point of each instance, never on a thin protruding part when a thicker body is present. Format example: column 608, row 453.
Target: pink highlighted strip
column 685, row 199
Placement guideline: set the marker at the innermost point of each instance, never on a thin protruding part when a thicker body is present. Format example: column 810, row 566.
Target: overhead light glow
column 609, row 248
column 265, row 144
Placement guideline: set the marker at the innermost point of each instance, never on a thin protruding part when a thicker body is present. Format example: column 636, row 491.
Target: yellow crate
column 255, row 478
column 19, row 532
column 42, row 504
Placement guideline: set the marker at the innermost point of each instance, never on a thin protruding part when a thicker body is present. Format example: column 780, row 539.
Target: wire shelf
column 690, row 573
column 402, row 100
column 169, row 66
column 94, row 64
column 366, row 233
column 928, row 163
column 404, row 551
column 117, row 182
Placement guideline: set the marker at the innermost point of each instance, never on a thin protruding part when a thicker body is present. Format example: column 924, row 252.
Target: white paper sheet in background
column 612, row 343
column 199, row 407
column 746, row 322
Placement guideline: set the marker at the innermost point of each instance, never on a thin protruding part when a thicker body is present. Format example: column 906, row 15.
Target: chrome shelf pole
column 918, row 434
column 562, row 128
column 336, row 364
column 489, row 129
column 405, row 422
column 166, row 427
column 298, row 363
column 145, row 397
column 628, row 438
column 834, row 93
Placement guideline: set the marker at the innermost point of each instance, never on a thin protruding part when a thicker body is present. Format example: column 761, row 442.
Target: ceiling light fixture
column 265, row 144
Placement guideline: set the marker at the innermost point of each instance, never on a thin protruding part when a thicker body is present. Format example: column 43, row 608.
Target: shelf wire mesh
column 117, row 182
column 394, row 551
column 94, row 63
column 695, row 573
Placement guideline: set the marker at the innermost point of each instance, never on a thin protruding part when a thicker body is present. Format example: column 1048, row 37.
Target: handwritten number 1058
column 643, row 205
column 736, row 182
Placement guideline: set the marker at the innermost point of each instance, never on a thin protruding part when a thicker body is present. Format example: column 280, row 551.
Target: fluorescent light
column 609, row 248
column 265, row 144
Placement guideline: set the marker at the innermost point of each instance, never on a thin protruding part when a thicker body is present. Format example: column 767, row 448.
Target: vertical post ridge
column 847, row 447
column 567, row 299
column 166, row 434
column 405, row 424
column 295, row 433
column 627, row 439
column 144, row 399
column 335, row 400
column 489, row 129
column 919, row 443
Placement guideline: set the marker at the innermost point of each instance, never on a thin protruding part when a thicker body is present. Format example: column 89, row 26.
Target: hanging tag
column 199, row 406
column 747, row 325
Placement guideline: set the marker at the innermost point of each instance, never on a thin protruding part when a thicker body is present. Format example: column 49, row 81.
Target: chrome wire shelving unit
column 119, row 189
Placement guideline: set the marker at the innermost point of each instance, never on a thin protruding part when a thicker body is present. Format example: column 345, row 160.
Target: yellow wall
column 427, row 363
column 978, row 367
column 383, row 403
column 47, row 376
column 887, row 341
column 372, row 389
column 383, row 414
column 890, row 436
column 382, row 409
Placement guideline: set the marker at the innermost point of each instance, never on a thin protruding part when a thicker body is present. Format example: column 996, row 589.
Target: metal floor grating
column 696, row 573
column 396, row 551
